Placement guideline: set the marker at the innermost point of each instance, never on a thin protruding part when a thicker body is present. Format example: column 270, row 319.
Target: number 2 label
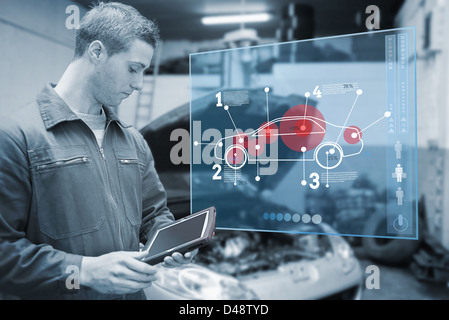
column 217, row 174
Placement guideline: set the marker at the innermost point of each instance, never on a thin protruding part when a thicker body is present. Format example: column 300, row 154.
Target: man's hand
column 177, row 259
column 117, row 272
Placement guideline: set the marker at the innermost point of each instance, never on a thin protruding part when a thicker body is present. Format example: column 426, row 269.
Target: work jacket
column 63, row 197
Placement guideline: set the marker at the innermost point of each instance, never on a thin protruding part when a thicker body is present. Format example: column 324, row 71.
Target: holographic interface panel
column 313, row 136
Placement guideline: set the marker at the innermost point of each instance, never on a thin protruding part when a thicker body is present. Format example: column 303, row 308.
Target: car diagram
column 302, row 129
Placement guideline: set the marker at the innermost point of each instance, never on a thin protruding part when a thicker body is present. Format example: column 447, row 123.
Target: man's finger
column 129, row 274
column 178, row 257
column 169, row 262
column 139, row 255
column 191, row 254
column 139, row 266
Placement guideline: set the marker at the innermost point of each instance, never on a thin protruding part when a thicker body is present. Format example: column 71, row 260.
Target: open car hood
column 238, row 253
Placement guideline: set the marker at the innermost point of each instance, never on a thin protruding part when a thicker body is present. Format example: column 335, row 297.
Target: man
column 78, row 187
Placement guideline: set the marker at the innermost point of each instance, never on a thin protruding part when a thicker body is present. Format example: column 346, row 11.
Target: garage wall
column 431, row 19
column 36, row 48
column 432, row 51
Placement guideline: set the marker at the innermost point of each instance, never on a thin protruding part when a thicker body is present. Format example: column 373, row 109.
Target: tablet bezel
column 206, row 234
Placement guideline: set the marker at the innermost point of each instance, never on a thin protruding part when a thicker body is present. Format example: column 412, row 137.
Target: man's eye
column 132, row 70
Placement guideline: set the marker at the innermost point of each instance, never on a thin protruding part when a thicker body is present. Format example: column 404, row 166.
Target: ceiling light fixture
column 241, row 18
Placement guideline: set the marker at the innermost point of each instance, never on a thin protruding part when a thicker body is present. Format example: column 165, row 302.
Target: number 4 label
column 317, row 92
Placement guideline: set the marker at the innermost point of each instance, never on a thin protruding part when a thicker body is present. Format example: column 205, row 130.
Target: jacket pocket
column 68, row 191
column 130, row 178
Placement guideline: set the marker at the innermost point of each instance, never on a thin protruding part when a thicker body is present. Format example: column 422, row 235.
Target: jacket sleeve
column 27, row 270
column 154, row 200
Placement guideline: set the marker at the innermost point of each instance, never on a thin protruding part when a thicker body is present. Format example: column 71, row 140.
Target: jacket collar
column 54, row 110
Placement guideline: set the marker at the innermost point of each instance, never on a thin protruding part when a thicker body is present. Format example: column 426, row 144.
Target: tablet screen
column 178, row 234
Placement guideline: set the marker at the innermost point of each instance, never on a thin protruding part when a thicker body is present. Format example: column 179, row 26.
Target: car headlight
column 345, row 253
column 195, row 282
column 341, row 249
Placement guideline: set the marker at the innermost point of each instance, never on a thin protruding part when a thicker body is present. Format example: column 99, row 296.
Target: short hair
column 116, row 25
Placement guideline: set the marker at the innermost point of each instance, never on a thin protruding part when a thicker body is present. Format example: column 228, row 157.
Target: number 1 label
column 218, row 96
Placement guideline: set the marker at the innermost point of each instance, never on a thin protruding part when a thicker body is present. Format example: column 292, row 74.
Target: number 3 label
column 316, row 180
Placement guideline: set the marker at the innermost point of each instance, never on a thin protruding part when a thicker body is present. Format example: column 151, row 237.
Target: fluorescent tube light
column 240, row 18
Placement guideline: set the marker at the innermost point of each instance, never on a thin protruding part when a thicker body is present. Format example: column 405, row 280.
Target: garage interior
column 38, row 46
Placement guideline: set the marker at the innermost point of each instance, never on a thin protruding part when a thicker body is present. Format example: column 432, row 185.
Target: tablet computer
column 181, row 236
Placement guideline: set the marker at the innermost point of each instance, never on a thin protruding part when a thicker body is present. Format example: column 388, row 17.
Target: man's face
column 122, row 73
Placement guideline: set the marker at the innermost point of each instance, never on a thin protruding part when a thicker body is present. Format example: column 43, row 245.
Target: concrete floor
column 399, row 283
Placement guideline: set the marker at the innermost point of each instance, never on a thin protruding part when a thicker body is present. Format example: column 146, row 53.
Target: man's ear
column 97, row 51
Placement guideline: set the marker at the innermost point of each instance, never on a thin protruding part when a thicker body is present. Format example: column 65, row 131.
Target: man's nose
column 137, row 84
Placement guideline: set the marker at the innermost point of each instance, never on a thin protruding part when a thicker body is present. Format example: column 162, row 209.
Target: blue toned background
column 38, row 46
